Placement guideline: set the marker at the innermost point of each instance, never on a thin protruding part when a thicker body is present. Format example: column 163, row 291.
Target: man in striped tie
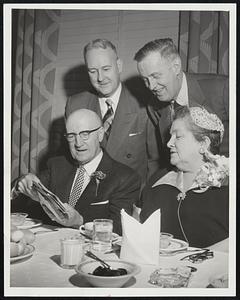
column 160, row 67
column 90, row 183
column 130, row 136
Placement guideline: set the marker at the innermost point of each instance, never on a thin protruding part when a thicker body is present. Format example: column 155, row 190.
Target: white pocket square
column 135, row 133
column 100, row 203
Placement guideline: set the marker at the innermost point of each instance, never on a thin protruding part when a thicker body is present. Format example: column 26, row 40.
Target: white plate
column 175, row 245
column 30, row 223
column 28, row 251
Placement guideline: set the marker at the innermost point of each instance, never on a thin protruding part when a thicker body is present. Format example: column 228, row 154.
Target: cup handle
column 82, row 229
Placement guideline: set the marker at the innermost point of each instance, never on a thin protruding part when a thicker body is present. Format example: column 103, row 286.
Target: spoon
column 93, row 256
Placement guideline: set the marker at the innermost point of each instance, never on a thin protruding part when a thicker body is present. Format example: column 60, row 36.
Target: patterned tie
column 77, row 188
column 108, row 118
column 173, row 106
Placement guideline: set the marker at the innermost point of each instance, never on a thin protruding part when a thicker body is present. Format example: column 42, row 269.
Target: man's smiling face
column 160, row 75
column 104, row 70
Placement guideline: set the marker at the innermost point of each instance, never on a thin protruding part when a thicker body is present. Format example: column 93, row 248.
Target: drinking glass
column 72, row 252
column 102, row 234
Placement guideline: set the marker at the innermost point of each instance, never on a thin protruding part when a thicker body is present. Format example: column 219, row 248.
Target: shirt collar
column 182, row 97
column 91, row 166
column 171, row 178
column 114, row 97
column 175, row 179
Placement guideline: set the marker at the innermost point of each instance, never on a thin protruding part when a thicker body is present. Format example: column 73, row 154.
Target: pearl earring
column 201, row 150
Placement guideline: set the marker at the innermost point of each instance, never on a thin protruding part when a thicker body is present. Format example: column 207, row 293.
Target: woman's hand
column 24, row 185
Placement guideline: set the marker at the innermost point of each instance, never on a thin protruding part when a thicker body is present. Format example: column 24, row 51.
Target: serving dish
column 86, row 269
column 30, row 223
column 28, row 251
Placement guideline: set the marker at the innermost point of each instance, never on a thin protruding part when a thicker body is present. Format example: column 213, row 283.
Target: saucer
column 174, row 246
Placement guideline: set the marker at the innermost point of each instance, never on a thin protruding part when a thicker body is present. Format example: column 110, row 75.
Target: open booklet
column 51, row 204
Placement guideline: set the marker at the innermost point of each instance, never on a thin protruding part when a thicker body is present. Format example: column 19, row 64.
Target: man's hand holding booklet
column 51, row 204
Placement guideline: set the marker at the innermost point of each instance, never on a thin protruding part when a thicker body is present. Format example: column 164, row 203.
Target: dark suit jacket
column 209, row 90
column 132, row 140
column 119, row 189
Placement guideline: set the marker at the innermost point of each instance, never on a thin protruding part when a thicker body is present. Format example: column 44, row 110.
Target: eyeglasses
column 199, row 257
column 71, row 136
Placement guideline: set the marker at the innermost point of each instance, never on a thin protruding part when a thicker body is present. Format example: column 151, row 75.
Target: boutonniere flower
column 214, row 172
column 98, row 175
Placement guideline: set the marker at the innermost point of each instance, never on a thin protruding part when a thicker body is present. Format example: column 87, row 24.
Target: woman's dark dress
column 204, row 216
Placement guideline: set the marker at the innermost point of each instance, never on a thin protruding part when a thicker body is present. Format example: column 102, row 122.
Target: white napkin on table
column 140, row 242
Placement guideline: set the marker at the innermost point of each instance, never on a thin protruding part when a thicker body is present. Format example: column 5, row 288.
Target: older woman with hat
column 193, row 196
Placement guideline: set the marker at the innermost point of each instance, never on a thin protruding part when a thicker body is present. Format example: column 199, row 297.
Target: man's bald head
column 84, row 116
column 84, row 127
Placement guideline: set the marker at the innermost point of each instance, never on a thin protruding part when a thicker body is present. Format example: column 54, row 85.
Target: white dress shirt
column 90, row 168
column 114, row 98
column 182, row 97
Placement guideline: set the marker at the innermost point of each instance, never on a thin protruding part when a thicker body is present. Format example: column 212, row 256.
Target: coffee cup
column 165, row 240
column 87, row 228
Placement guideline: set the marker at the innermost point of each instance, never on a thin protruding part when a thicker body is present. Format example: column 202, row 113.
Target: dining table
column 42, row 269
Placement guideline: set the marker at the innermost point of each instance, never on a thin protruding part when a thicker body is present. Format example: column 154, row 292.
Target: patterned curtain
column 204, row 41
column 34, row 75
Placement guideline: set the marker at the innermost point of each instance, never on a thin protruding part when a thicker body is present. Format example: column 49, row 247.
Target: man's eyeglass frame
column 84, row 135
column 199, row 257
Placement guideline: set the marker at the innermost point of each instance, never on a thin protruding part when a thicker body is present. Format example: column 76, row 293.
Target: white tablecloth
column 43, row 270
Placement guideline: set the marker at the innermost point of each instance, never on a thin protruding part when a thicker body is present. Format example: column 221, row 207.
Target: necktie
column 77, row 188
column 173, row 106
column 108, row 118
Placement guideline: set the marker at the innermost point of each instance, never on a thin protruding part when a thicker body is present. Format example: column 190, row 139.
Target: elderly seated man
column 75, row 180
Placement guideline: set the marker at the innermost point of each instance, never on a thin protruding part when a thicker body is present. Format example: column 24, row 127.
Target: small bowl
column 87, row 267
column 18, row 219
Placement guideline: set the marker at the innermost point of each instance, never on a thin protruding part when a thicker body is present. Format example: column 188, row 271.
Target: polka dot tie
column 77, row 187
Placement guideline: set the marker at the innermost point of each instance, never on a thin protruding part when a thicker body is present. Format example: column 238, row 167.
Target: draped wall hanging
column 36, row 53
column 204, row 41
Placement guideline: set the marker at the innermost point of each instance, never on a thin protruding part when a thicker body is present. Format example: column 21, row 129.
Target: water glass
column 72, row 252
column 102, row 234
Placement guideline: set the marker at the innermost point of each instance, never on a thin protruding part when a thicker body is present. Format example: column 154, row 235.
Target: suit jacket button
column 129, row 155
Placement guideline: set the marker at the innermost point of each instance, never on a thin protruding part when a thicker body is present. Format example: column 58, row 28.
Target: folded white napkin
column 140, row 242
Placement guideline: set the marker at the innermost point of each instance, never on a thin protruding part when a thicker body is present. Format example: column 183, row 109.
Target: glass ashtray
column 171, row 277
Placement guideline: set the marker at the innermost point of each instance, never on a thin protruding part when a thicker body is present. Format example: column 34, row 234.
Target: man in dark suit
column 91, row 184
column 159, row 64
column 130, row 135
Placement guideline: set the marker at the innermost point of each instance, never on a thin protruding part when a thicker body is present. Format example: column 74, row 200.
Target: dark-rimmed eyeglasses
column 199, row 257
column 84, row 135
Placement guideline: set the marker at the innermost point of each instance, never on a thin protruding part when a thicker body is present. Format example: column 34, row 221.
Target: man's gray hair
column 98, row 43
column 165, row 47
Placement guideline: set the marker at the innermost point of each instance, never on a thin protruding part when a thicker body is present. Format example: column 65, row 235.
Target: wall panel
column 128, row 30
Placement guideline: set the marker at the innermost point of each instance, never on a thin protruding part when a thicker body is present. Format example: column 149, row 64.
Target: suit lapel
column 94, row 105
column 125, row 116
column 160, row 117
